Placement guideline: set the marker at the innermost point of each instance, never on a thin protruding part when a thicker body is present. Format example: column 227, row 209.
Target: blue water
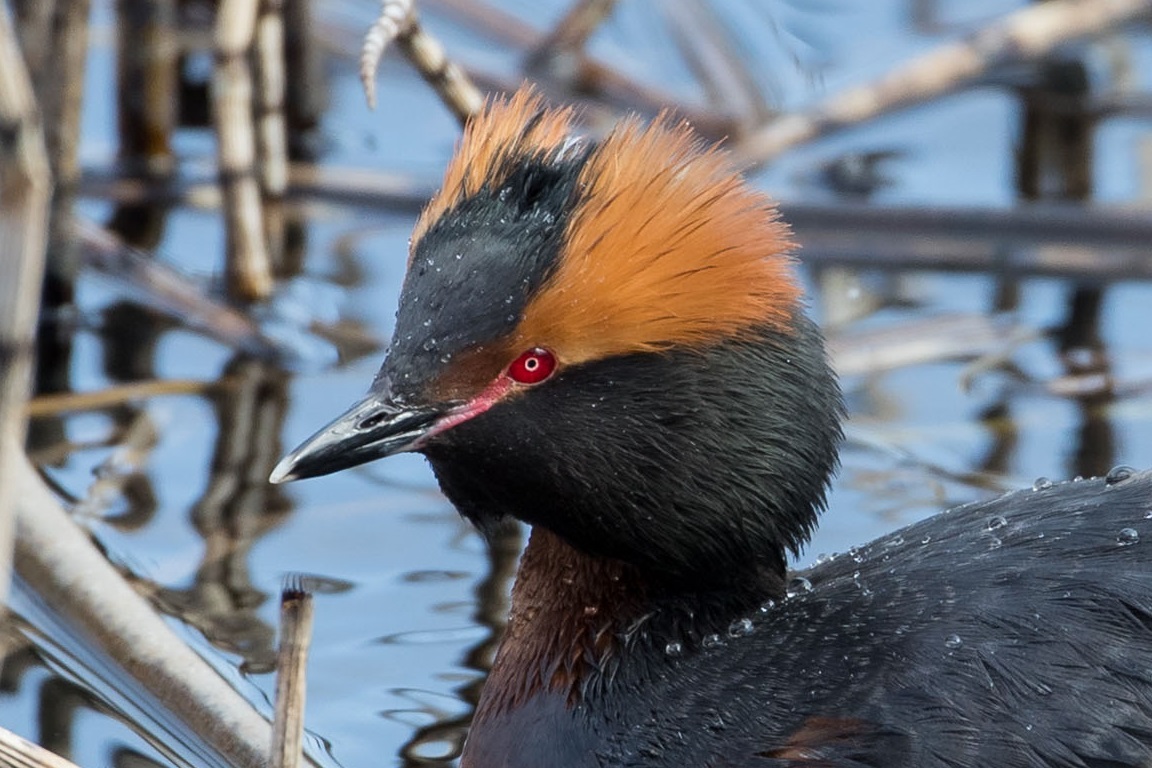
column 389, row 653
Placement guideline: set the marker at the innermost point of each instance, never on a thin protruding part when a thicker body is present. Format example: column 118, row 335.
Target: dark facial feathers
column 475, row 269
column 697, row 464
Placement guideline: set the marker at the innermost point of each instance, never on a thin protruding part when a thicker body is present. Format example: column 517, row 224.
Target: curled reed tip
column 395, row 16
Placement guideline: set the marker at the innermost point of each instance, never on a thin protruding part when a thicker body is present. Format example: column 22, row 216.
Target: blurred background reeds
column 203, row 229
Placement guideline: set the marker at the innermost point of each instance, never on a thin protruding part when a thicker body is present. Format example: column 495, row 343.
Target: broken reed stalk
column 17, row 752
column 249, row 273
column 398, row 21
column 1019, row 36
column 76, row 579
column 394, row 17
column 291, row 667
column 25, row 189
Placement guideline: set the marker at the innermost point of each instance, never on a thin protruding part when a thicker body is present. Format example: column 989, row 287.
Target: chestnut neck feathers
column 692, row 422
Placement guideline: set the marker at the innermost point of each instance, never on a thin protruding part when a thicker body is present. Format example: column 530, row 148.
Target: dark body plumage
column 1015, row 632
column 673, row 449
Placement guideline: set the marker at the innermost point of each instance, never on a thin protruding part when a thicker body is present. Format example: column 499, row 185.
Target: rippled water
column 402, row 638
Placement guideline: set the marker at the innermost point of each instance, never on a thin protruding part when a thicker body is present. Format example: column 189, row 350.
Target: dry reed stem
column 147, row 84
column 385, row 189
column 306, row 84
column 395, row 16
column 57, row 404
column 445, row 76
column 249, row 273
column 501, row 27
column 25, row 189
column 76, row 579
column 1022, row 35
column 16, row 752
column 398, row 22
column 271, row 127
column 588, row 81
column 272, row 138
column 717, row 63
column 34, row 22
column 63, row 132
column 954, row 336
column 166, row 290
column 291, row 666
column 571, row 33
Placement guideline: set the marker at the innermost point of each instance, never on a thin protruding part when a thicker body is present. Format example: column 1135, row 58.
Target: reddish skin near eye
column 532, row 367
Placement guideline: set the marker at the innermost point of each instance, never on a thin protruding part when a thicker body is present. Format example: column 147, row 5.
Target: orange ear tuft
column 667, row 247
column 502, row 131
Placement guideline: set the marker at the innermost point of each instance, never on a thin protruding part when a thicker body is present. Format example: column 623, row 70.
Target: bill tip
column 283, row 472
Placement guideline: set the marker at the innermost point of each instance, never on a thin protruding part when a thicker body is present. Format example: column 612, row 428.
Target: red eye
column 533, row 366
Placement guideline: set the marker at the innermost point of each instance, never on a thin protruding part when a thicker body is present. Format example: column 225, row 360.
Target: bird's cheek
column 470, row 409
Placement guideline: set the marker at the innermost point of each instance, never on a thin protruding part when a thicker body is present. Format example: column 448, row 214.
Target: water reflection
column 1055, row 162
column 237, row 507
column 442, row 741
column 965, row 419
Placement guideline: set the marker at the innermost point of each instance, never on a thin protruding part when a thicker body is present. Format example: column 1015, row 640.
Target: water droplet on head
column 1127, row 537
column 712, row 641
column 767, row 605
column 741, row 627
column 926, row 540
column 854, row 553
column 427, row 322
column 1041, row 484
column 459, row 256
column 429, row 345
column 994, row 542
column 798, row 586
column 953, row 642
column 823, row 558
column 1118, row 474
column 995, row 522
column 674, row 649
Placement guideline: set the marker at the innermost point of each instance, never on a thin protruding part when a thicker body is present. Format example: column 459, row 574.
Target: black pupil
column 531, row 364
